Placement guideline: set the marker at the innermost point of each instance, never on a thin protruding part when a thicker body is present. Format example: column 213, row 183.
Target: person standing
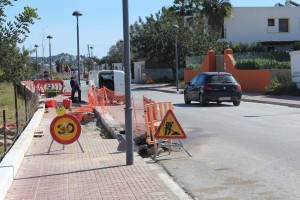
column 75, row 88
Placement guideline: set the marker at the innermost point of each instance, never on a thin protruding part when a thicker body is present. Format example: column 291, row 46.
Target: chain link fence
column 13, row 120
column 262, row 60
column 194, row 62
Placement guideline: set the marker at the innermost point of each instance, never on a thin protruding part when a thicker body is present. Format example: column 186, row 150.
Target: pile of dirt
column 144, row 149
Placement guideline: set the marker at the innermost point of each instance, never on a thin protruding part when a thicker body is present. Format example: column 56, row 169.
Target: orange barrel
column 51, row 103
column 67, row 103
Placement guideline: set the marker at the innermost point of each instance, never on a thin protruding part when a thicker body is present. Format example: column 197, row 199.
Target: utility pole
column 128, row 107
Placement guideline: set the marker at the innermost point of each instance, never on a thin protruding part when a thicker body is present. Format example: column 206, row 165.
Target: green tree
column 215, row 12
column 186, row 7
column 14, row 63
column 154, row 39
column 115, row 53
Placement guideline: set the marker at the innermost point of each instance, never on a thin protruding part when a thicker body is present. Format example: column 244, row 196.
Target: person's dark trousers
column 74, row 89
column 79, row 94
column 73, row 94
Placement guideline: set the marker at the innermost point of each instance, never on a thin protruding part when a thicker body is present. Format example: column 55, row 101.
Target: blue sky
column 101, row 24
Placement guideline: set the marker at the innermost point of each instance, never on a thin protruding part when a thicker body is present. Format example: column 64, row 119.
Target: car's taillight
column 238, row 87
column 207, row 87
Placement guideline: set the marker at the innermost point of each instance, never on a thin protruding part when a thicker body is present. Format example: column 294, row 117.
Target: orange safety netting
column 105, row 97
column 113, row 103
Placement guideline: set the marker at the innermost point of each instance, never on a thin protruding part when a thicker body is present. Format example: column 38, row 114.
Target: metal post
column 36, row 63
column 175, row 27
column 50, row 59
column 16, row 106
column 26, row 107
column 128, row 108
column 78, row 54
column 50, row 37
column 77, row 14
column 176, row 52
column 4, row 133
column 92, row 51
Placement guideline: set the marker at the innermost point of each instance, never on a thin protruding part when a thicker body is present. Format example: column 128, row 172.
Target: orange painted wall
column 251, row 80
column 209, row 65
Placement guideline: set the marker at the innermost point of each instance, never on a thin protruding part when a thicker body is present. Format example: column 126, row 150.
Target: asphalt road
column 245, row 152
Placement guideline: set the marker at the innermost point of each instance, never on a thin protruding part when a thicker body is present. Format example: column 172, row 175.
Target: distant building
column 277, row 28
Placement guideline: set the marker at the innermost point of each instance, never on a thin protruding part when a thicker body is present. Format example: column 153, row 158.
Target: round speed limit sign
column 65, row 129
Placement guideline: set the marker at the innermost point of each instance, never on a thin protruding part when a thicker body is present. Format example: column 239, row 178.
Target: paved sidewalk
column 98, row 173
column 101, row 171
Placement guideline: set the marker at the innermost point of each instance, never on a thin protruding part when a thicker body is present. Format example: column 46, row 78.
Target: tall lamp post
column 36, row 63
column 50, row 68
column 128, row 106
column 78, row 14
column 175, row 27
column 91, row 51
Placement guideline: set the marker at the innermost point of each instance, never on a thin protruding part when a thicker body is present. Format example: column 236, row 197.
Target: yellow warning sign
column 150, row 81
column 169, row 128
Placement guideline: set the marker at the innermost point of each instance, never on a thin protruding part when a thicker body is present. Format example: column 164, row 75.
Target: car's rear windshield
column 221, row 79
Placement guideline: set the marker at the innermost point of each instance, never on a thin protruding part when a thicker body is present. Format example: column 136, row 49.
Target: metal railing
column 15, row 121
column 262, row 60
column 194, row 62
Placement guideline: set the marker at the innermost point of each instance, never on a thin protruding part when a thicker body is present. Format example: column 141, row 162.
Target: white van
column 112, row 79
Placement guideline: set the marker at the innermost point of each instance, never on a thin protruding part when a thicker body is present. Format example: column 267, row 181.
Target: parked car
column 213, row 87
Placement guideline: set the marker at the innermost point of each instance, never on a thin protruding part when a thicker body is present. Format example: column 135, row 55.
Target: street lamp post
column 78, row 14
column 128, row 106
column 36, row 63
column 175, row 27
column 50, row 68
column 91, row 51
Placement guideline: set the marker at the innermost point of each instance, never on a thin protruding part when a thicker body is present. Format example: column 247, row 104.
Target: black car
column 213, row 87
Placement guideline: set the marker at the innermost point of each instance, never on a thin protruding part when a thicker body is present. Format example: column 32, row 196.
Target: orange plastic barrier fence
column 29, row 85
column 42, row 85
column 154, row 113
column 147, row 101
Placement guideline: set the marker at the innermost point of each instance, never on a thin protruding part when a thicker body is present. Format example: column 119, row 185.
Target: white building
column 276, row 27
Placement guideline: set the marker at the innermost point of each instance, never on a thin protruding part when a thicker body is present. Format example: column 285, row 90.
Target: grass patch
column 7, row 103
column 1, row 151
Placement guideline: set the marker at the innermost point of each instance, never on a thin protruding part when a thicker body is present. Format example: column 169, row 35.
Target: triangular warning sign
column 150, row 81
column 169, row 128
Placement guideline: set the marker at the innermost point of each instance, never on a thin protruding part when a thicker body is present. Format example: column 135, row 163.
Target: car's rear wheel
column 201, row 100
column 236, row 103
column 186, row 99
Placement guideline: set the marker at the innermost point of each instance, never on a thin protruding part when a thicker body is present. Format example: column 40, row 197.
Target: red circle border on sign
column 57, row 139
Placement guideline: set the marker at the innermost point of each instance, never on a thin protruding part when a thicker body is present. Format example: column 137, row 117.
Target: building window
column 283, row 25
column 271, row 22
column 223, row 33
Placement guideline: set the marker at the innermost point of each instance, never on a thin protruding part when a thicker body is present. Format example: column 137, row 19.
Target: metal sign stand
column 64, row 146
column 170, row 145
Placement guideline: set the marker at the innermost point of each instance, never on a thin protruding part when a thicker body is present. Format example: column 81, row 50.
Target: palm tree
column 215, row 11
column 186, row 7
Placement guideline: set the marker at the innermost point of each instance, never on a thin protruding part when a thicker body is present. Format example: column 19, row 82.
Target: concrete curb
column 9, row 166
column 109, row 123
column 271, row 102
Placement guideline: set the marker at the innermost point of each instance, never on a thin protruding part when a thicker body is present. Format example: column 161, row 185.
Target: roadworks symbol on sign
column 169, row 128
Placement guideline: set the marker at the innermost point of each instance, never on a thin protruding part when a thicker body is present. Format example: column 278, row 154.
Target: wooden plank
column 39, row 131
